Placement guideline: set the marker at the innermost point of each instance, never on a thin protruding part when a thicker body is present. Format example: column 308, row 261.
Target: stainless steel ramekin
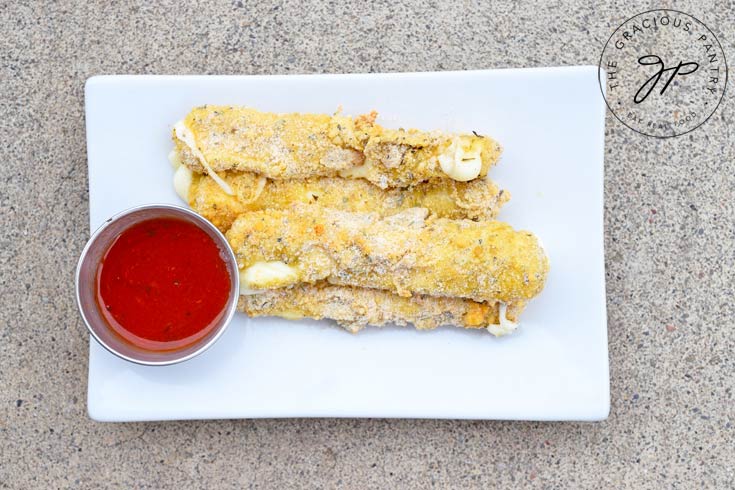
column 95, row 250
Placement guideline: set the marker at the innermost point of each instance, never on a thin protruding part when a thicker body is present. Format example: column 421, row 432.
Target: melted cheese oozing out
column 506, row 326
column 258, row 191
column 459, row 163
column 359, row 172
column 182, row 182
column 185, row 135
column 244, row 290
column 290, row 315
column 174, row 159
column 263, row 275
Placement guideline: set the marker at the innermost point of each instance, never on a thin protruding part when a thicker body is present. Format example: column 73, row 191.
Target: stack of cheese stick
column 337, row 217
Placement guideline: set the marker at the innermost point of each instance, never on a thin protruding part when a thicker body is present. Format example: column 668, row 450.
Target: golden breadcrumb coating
column 355, row 308
column 405, row 253
column 299, row 146
column 337, row 217
column 479, row 199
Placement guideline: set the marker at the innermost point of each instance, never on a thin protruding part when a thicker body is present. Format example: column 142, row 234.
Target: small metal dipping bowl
column 86, row 279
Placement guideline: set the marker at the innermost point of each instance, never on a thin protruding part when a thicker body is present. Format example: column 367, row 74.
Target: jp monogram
column 663, row 73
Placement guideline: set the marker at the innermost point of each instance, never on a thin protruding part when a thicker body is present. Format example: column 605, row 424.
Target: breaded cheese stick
column 213, row 139
column 479, row 199
column 405, row 253
column 355, row 308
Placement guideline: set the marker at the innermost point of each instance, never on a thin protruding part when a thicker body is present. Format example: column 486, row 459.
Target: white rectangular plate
column 555, row 367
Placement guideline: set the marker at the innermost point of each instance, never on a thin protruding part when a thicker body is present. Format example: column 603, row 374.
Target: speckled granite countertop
column 670, row 216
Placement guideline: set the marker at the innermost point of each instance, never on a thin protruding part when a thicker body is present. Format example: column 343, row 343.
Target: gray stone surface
column 670, row 240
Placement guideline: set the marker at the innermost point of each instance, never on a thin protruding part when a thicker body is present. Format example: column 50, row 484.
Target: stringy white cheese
column 174, row 159
column 262, row 275
column 185, row 135
column 258, row 191
column 359, row 172
column 182, row 182
column 506, row 326
column 460, row 164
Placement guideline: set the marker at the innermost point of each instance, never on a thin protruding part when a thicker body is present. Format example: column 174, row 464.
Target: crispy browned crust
column 299, row 146
column 479, row 199
column 355, row 308
column 405, row 253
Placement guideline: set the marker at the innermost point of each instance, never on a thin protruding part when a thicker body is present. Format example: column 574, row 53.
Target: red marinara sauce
column 163, row 284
